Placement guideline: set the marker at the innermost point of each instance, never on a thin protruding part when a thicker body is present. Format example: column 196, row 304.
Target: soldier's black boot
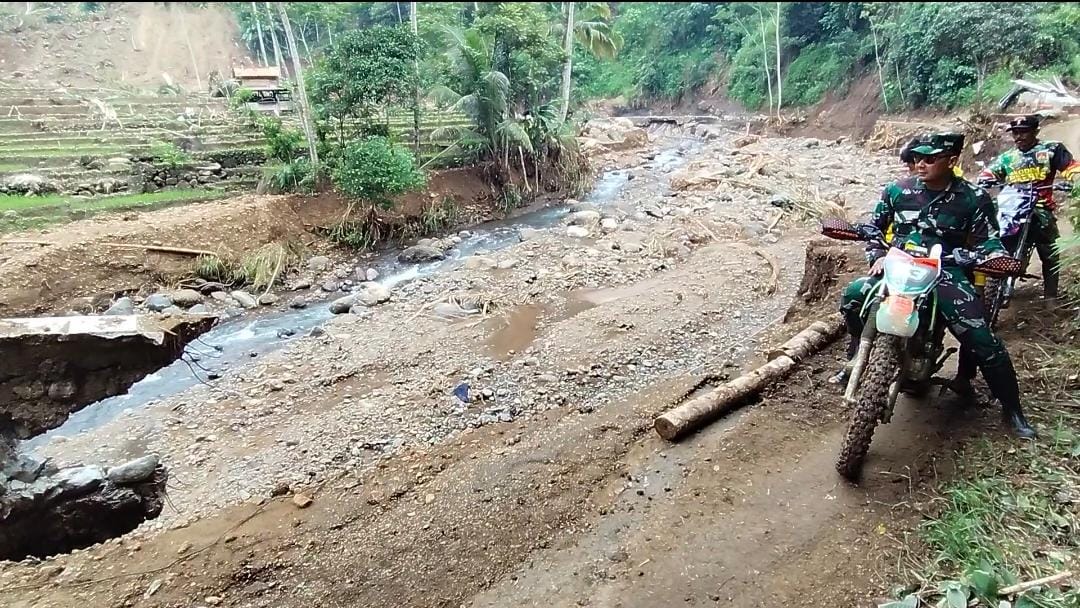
column 965, row 373
column 1003, row 386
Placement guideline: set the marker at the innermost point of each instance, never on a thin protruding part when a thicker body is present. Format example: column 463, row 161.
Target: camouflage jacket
column 961, row 216
column 1040, row 165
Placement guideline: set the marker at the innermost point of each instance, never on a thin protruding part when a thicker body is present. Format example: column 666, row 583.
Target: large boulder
column 158, row 302
column 341, row 306
column 245, row 299
column 186, row 297
column 371, row 294
column 421, row 253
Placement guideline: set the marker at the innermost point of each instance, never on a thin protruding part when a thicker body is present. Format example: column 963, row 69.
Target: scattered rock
column 421, row 253
column 199, row 309
column 609, row 224
column 212, row 600
column 221, row 296
column 302, row 501
column 134, row 471
column 26, row 468
column 654, row 211
column 281, row 488
column 298, row 302
column 782, row 201
column 317, row 332
column 479, row 262
column 158, row 302
column 577, row 232
column 186, row 297
column 123, row 306
column 371, row 274
column 527, row 234
column 245, row 299
column 507, row 264
column 318, row 263
column 341, row 306
column 173, row 311
column 584, row 218
column 330, row 286
column 268, row 299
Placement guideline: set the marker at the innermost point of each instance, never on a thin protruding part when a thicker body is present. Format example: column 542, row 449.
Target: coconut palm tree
column 483, row 95
column 588, row 21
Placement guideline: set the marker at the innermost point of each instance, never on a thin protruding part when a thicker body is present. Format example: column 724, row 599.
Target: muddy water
column 232, row 344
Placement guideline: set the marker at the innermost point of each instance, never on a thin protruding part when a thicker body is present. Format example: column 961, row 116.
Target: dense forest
column 922, row 54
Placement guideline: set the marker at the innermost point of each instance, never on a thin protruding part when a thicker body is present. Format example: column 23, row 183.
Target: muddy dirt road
column 552, row 489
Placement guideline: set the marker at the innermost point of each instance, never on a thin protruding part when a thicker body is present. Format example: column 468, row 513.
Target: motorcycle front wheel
column 882, row 371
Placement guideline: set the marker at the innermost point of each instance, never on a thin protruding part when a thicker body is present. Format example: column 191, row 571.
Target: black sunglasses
column 927, row 159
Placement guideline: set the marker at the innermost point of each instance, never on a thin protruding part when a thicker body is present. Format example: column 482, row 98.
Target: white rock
column 577, row 232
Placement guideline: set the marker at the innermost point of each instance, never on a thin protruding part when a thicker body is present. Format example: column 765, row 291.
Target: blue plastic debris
column 461, row 391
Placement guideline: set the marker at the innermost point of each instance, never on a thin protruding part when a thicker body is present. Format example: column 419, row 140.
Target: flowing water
column 232, row 343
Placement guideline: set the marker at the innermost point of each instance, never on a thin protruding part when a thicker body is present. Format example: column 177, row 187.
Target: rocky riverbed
column 674, row 276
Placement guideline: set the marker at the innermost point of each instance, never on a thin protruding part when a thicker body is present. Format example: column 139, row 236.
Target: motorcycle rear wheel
column 871, row 405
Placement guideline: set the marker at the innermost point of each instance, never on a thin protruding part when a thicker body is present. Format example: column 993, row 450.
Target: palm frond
column 511, row 133
column 444, row 95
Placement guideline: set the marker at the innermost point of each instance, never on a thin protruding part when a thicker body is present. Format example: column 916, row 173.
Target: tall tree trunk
column 258, row 30
column 302, row 98
column 416, row 85
column 191, row 51
column 330, row 31
column 273, row 37
column 303, row 40
column 765, row 58
column 779, row 82
column 880, row 71
column 568, row 48
column 900, row 84
column 399, row 19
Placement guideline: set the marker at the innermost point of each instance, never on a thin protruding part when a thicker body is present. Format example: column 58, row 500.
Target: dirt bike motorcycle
column 902, row 343
column 1016, row 205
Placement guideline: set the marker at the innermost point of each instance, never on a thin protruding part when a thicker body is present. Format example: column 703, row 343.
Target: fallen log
column 728, row 397
column 807, row 341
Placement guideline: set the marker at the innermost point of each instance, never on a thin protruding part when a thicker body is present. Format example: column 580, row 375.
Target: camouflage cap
column 940, row 143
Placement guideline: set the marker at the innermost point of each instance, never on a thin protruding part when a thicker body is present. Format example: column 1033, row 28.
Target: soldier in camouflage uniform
column 1038, row 163
column 935, row 207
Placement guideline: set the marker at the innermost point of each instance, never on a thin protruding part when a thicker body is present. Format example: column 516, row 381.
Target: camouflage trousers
column 1042, row 236
column 958, row 305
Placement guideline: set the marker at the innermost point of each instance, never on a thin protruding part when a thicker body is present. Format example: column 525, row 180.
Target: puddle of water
column 517, row 332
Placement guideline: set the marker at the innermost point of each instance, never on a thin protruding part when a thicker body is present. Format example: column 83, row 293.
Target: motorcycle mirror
column 840, row 230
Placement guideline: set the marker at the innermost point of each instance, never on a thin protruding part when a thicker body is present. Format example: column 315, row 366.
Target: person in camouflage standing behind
column 930, row 208
column 1038, row 163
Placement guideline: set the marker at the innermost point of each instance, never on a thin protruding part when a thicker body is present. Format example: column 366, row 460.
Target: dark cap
column 940, row 143
column 1024, row 123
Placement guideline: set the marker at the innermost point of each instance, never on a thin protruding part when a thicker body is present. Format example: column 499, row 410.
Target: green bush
column 241, row 97
column 374, row 169
column 292, row 176
column 169, row 155
column 282, row 143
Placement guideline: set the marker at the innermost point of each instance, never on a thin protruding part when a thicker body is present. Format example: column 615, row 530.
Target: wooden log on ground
column 728, row 397
column 809, row 340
